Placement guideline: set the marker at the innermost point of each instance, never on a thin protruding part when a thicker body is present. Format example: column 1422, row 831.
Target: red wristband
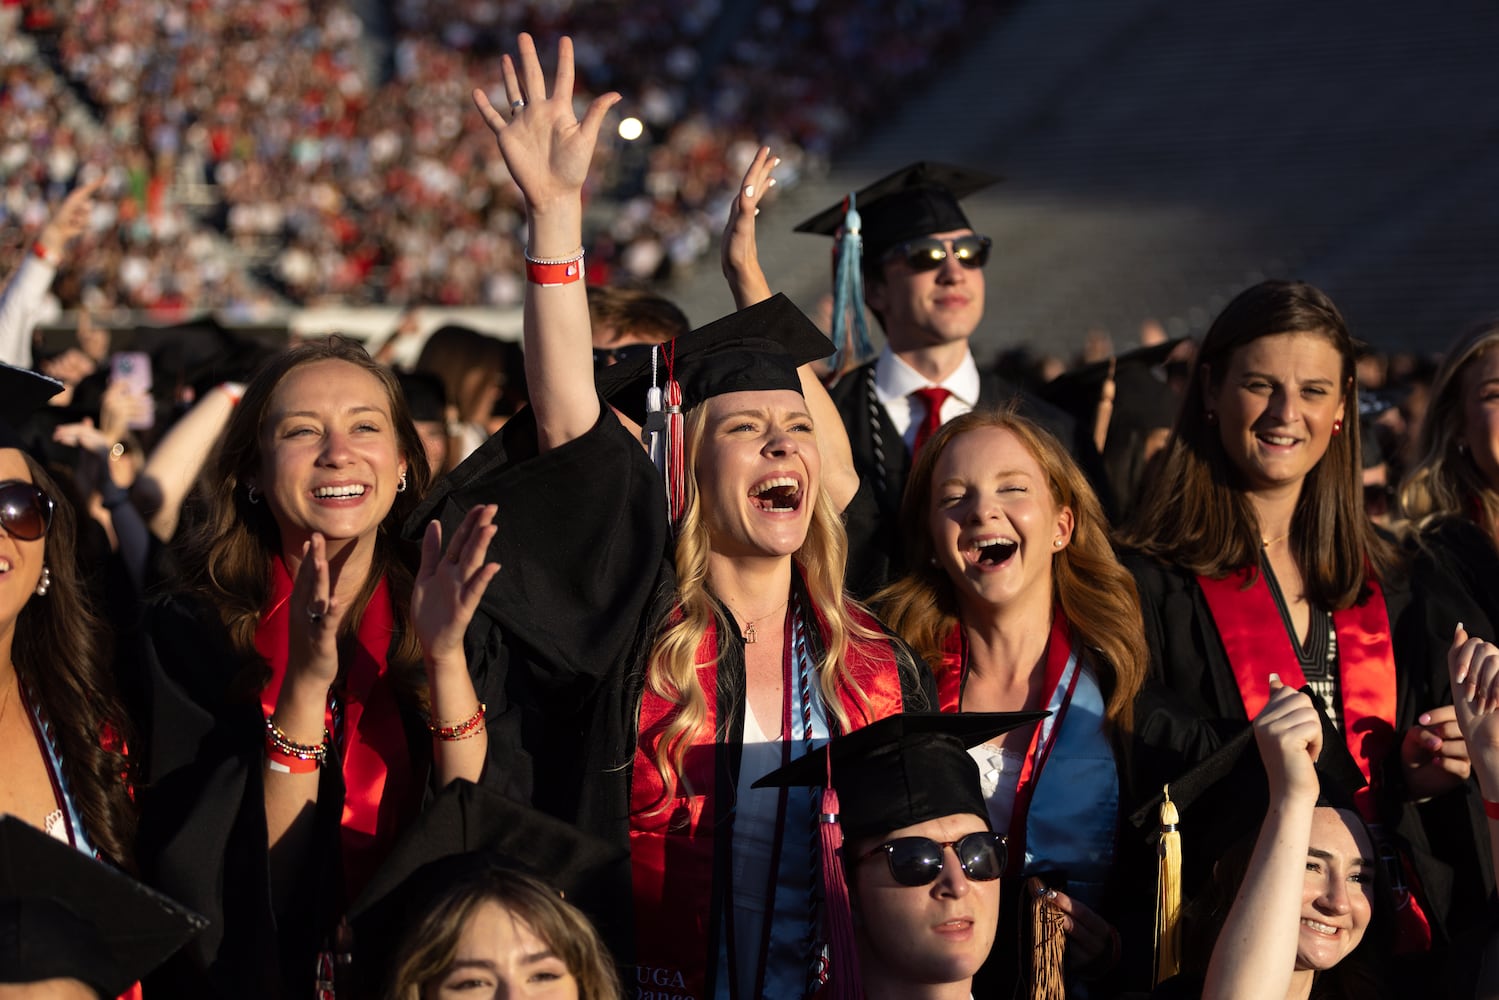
column 42, row 253
column 1491, row 809
column 285, row 763
column 549, row 275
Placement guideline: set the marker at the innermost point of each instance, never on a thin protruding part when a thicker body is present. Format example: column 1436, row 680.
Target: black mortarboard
column 1142, row 398
column 64, row 915
column 757, row 348
column 22, row 393
column 903, row 769
column 1223, row 799
column 467, row 831
column 426, row 397
column 917, row 200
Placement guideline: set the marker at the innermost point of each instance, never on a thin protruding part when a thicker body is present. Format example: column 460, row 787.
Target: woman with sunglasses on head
column 1253, row 556
column 672, row 671
column 307, row 687
column 1019, row 603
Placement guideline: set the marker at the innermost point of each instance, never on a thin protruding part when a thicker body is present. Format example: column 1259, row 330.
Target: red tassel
column 843, row 952
column 676, row 458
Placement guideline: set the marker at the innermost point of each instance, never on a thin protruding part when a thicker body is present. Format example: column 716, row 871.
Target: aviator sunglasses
column 919, row 860
column 25, row 511
column 928, row 253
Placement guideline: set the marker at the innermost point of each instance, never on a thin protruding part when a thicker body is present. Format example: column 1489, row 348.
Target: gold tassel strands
column 1168, row 893
column 1048, row 945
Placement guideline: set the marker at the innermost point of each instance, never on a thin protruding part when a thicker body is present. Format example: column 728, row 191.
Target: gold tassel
column 1168, row 901
column 1048, row 946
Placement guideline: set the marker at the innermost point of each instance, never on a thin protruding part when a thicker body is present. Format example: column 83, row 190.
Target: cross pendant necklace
column 749, row 629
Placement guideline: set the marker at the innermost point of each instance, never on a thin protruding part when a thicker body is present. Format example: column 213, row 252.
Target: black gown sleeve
column 581, row 545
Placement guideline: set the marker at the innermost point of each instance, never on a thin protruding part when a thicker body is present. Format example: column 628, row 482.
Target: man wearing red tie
column 923, row 269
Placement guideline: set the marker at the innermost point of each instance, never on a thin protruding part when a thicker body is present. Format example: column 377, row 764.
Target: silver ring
column 314, row 616
column 517, row 105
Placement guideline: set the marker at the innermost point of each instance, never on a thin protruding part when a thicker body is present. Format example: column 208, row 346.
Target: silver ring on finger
column 517, row 105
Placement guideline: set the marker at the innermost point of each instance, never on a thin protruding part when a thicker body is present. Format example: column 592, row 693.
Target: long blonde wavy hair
column 1095, row 592
column 1445, row 482
column 672, row 671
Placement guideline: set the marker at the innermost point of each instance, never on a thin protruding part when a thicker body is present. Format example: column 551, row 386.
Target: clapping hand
column 1473, row 667
column 450, row 583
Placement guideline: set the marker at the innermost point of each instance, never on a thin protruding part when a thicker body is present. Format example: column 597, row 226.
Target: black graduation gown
column 876, row 551
column 587, row 578
column 203, row 831
column 1454, row 578
column 1190, row 705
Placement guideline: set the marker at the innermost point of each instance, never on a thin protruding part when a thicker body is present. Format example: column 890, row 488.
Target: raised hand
column 547, row 149
column 70, row 219
column 314, row 616
column 1473, row 667
column 738, row 253
column 450, row 583
column 1288, row 731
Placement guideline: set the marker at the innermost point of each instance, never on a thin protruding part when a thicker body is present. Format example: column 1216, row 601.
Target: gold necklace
column 749, row 629
column 6, row 703
column 1266, row 544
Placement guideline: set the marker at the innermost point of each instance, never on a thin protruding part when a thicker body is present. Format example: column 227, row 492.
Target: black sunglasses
column 25, row 511
column 620, row 355
column 919, row 860
column 928, row 253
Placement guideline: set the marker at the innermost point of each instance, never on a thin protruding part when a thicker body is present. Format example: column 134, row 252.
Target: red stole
column 1062, row 670
column 672, row 846
column 1250, row 625
column 380, row 790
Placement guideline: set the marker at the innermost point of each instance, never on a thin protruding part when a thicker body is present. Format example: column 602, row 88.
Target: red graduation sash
column 380, row 790
column 672, row 838
column 1062, row 670
column 1257, row 644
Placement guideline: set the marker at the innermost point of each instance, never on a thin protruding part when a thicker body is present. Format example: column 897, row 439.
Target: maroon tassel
column 843, row 952
column 676, row 458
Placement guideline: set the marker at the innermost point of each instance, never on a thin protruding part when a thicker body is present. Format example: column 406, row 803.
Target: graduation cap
column 203, row 352
column 468, row 832
column 1142, row 398
column 64, row 915
column 425, row 394
column 758, row 348
column 1215, row 805
column 22, row 393
column 917, row 200
column 897, row 772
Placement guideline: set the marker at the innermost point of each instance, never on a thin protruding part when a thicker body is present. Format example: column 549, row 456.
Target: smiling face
column 757, row 470
column 926, row 934
column 1275, row 406
column 20, row 561
column 500, row 956
column 1480, row 408
column 1337, row 898
column 926, row 308
column 330, row 460
column 994, row 522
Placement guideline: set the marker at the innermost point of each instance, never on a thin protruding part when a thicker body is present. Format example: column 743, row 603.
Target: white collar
column 894, row 379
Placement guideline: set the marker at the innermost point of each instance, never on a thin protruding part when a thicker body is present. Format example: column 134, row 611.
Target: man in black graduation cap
column 923, row 270
column 921, row 861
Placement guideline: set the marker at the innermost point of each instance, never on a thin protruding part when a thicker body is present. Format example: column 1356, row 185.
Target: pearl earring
column 45, row 583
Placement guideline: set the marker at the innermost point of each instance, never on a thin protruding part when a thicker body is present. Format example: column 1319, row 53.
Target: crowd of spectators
column 343, row 169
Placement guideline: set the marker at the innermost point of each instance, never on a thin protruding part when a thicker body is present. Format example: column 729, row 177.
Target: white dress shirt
column 894, row 381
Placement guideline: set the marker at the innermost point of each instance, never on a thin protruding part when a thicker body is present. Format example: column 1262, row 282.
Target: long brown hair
column 1445, row 482
column 62, row 656
column 431, row 947
column 227, row 557
column 1197, row 515
column 1095, row 592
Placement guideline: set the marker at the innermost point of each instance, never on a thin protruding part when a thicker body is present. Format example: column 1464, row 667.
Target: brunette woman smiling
column 307, row 686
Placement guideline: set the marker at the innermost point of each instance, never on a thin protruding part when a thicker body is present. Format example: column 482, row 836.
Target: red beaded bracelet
column 1491, row 809
column 471, row 726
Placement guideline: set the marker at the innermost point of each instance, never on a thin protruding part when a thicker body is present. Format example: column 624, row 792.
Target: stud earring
column 1337, row 427
column 1212, row 416
column 252, row 494
column 45, row 583
column 1056, row 543
column 401, row 486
